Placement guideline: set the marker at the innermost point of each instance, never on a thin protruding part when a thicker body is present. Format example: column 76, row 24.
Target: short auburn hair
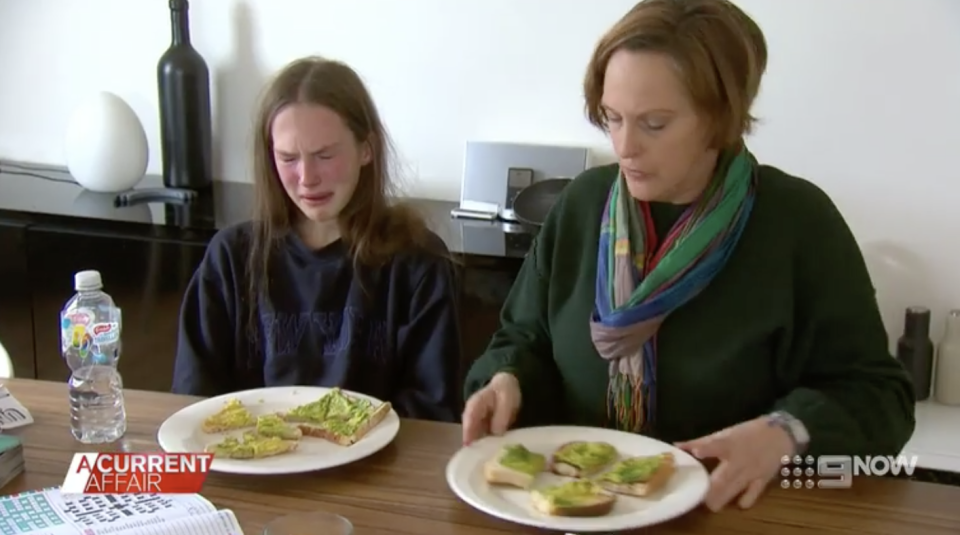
column 720, row 52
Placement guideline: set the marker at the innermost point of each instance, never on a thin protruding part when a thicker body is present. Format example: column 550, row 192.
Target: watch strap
column 793, row 427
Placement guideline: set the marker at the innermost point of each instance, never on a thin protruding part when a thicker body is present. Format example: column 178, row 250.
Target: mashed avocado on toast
column 639, row 476
column 251, row 446
column 271, row 425
column 514, row 465
column 601, row 476
column 231, row 417
column 338, row 417
column 582, row 459
column 581, row 498
column 517, row 457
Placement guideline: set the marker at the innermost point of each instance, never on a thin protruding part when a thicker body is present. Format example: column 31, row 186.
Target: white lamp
column 106, row 146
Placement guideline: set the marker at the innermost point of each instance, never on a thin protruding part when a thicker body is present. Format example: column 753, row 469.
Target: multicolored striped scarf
column 640, row 282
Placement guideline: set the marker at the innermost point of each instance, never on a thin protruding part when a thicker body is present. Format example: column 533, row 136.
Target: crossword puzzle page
column 49, row 512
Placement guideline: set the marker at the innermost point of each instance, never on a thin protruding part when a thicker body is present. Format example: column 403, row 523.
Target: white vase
column 947, row 376
column 106, row 146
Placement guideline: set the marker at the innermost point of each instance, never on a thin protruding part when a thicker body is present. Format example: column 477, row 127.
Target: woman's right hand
column 492, row 409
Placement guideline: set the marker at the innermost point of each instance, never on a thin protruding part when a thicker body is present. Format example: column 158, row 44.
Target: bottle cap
column 916, row 322
column 87, row 280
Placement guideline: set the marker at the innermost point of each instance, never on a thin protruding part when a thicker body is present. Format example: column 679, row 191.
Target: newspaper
column 12, row 413
column 48, row 512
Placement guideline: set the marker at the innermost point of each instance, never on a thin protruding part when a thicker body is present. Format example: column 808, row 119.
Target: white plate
column 684, row 492
column 181, row 433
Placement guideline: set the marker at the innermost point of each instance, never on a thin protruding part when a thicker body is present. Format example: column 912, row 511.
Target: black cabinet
column 145, row 276
column 147, row 252
column 16, row 314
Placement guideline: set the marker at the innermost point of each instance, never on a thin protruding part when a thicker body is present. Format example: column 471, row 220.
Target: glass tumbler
column 316, row 523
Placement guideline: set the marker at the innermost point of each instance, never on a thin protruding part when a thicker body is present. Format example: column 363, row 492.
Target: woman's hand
column 492, row 409
column 750, row 455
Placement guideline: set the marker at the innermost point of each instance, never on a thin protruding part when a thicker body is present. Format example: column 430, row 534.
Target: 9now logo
column 838, row 471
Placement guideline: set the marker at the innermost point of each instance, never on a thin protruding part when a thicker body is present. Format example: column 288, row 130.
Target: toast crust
column 497, row 474
column 601, row 505
column 565, row 469
column 657, row 481
column 318, row 431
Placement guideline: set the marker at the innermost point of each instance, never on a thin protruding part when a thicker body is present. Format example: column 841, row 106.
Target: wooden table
column 402, row 489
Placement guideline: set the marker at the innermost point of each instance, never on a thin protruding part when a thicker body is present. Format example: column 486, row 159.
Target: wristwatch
column 794, row 428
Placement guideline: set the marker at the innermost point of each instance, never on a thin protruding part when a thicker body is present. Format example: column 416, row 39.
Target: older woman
column 688, row 292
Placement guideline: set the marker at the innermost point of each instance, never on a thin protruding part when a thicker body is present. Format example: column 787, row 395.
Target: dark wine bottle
column 186, row 131
column 915, row 350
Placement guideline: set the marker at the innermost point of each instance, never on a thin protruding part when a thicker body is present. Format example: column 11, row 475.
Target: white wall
column 860, row 97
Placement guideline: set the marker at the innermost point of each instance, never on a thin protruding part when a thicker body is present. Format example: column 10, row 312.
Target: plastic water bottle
column 90, row 325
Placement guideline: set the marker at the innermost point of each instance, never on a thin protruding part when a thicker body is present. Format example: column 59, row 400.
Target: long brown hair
column 374, row 228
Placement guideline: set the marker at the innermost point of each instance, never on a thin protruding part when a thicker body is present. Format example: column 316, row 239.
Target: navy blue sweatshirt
column 395, row 338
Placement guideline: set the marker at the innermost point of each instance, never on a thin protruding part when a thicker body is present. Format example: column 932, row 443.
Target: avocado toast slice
column 251, row 446
column 514, row 465
column 639, row 476
column 580, row 498
column 338, row 417
column 582, row 458
column 272, row 425
column 232, row 417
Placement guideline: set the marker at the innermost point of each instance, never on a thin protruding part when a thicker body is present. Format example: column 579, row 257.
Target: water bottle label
column 88, row 340
column 106, row 333
column 74, row 332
